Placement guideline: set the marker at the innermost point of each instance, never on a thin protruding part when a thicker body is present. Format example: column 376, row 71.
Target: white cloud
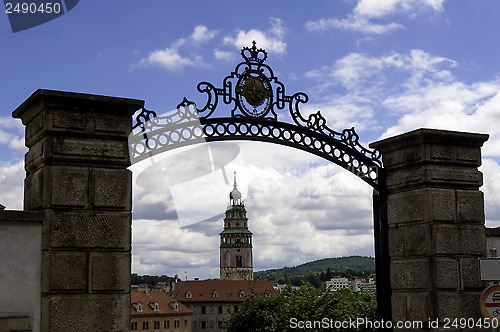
column 270, row 40
column 11, row 185
column 356, row 70
column 380, row 8
column 425, row 94
column 181, row 53
column 170, row 59
column 223, row 55
column 12, row 134
column 17, row 143
column 361, row 19
column 202, row 34
column 352, row 23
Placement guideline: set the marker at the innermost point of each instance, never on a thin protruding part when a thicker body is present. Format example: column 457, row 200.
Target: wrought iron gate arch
column 256, row 96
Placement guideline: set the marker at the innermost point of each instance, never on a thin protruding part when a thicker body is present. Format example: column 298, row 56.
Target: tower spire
column 235, row 195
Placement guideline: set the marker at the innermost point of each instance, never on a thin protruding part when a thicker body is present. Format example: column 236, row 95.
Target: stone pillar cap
column 43, row 98
column 427, row 135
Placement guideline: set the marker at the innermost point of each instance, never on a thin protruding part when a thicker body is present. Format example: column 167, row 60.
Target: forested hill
column 357, row 263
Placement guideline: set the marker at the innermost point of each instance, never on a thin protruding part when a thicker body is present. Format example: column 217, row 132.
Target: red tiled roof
column 164, row 300
column 227, row 290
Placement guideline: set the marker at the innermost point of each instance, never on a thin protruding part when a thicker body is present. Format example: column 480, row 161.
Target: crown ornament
column 252, row 54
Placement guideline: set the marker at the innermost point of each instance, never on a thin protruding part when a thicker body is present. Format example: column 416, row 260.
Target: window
column 166, row 324
column 242, row 294
column 203, row 325
column 185, row 323
column 239, row 262
column 189, row 295
column 211, row 324
column 145, row 325
column 156, row 324
column 133, row 326
column 137, row 306
column 220, row 309
column 215, row 294
column 203, row 310
column 236, row 309
column 177, row 323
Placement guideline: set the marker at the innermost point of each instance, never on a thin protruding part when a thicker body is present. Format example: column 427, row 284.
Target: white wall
column 20, row 268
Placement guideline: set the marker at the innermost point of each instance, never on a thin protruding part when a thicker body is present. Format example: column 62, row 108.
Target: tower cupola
column 236, row 261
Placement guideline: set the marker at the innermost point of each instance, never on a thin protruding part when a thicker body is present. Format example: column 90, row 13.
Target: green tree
column 328, row 275
column 304, row 304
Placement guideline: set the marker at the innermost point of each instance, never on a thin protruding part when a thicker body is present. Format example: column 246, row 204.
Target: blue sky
column 382, row 66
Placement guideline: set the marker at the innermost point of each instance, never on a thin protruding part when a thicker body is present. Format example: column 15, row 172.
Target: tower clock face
column 254, row 93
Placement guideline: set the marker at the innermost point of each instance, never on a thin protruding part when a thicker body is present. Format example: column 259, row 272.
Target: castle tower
column 236, row 262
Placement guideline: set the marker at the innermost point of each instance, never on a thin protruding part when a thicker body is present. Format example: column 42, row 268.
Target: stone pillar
column 76, row 174
column 436, row 223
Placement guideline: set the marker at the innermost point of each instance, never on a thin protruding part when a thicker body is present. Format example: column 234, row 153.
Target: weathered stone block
column 458, row 304
column 77, row 151
column 409, row 274
column 441, row 152
column 33, row 191
column 459, row 239
column 35, row 126
column 410, row 240
column 443, row 204
column 418, row 240
column 109, row 230
column 112, row 124
column 403, row 179
column 64, row 271
column 434, row 176
column 112, row 188
column 110, row 271
column 403, row 157
column 406, row 207
column 69, row 186
column 94, row 149
column 470, row 155
column 397, row 237
column 15, row 322
column 470, row 206
column 407, row 306
column 83, row 313
column 398, row 304
column 418, row 307
column 453, row 176
column 69, row 120
column 469, row 273
column 445, row 273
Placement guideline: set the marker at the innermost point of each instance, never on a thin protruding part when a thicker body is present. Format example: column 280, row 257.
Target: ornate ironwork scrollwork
column 254, row 95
